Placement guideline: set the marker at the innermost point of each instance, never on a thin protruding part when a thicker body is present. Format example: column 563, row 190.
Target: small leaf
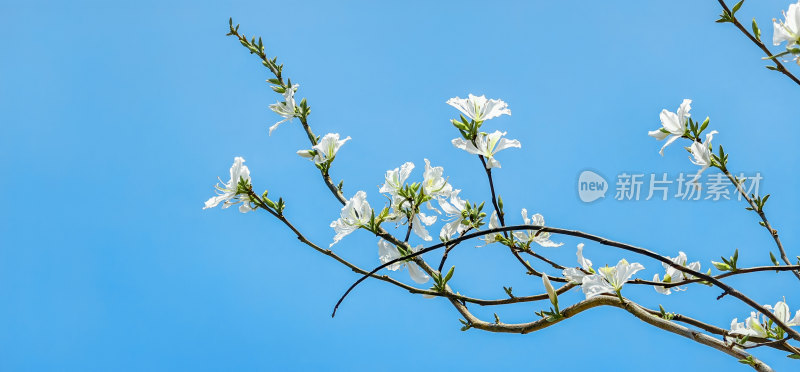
column 756, row 30
column 774, row 260
column 705, row 124
column 749, row 361
column 721, row 266
column 736, row 7
column 449, row 275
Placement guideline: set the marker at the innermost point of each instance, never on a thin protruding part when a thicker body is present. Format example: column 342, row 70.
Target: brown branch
column 627, row 305
column 630, row 248
column 760, row 212
column 746, row 270
column 501, row 216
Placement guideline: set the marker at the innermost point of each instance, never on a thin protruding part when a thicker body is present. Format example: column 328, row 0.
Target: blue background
column 117, row 118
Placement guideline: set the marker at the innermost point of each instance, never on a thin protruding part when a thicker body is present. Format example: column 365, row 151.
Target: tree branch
column 758, row 210
column 644, row 252
column 778, row 65
column 629, row 306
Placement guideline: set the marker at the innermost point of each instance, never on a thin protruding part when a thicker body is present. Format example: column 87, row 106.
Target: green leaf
column 773, row 259
column 749, row 360
column 736, row 7
column 721, row 266
column 793, row 356
column 449, row 275
column 705, row 124
column 756, row 30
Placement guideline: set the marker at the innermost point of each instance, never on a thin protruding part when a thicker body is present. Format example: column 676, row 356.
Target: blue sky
column 117, row 119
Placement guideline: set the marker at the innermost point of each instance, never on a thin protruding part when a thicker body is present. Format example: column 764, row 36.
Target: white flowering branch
column 768, row 326
column 729, row 16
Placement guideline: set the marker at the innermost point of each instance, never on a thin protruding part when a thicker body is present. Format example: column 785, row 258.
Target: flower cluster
column 406, row 199
column 605, row 280
column 478, row 110
column 680, row 125
column 758, row 325
column 444, row 203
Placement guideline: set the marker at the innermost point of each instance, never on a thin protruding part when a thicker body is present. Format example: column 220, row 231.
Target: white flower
column 395, row 179
column 750, row 327
column 551, row 292
column 754, row 325
column 543, row 238
column 487, row 145
column 781, row 311
column 494, row 223
column 674, row 275
column 788, row 30
column 434, row 184
column 609, row 279
column 325, row 150
column 355, row 214
column 452, row 210
column 286, row 109
column 479, row 108
column 228, row 192
column 575, row 275
column 418, row 224
column 702, row 155
column 672, row 123
column 388, row 252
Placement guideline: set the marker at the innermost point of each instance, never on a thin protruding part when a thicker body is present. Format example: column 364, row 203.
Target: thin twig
column 740, row 271
column 778, row 65
column 758, row 210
